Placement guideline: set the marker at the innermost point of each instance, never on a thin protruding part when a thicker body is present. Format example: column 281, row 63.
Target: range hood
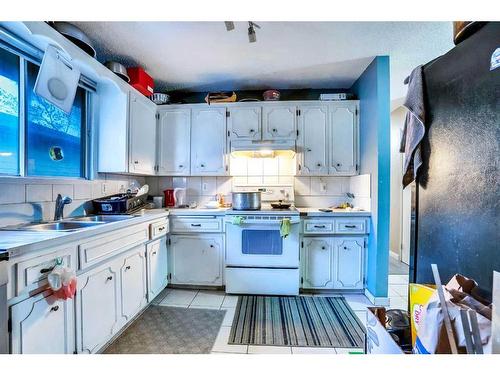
column 263, row 149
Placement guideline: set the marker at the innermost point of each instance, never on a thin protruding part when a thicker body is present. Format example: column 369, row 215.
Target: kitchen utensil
column 143, row 190
column 271, row 95
column 141, row 80
column 75, row 35
column 281, row 205
column 57, row 79
column 158, row 201
column 118, row 69
column 119, row 203
column 160, row 98
column 180, row 197
column 169, row 197
column 247, row 200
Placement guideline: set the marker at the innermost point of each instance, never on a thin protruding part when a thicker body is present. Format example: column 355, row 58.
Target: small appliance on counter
column 169, row 198
column 180, row 198
column 123, row 203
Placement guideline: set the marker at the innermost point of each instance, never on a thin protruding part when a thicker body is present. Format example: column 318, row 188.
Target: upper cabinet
column 244, row 123
column 142, row 138
column 279, row 122
column 312, row 156
column 343, row 138
column 174, row 142
column 208, row 141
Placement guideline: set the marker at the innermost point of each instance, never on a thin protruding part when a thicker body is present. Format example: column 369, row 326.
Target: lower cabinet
column 157, row 263
column 333, row 262
column 196, row 259
column 349, row 262
column 133, row 286
column 43, row 324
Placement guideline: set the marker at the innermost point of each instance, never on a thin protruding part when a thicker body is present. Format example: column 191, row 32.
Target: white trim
column 394, row 255
column 378, row 301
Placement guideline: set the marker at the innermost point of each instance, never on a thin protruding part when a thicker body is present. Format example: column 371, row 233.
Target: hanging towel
column 414, row 128
column 285, row 228
column 238, row 220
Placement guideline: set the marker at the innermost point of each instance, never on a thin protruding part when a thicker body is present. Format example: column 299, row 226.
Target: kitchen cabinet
column 42, row 324
column 317, row 260
column 142, row 135
column 349, row 262
column 196, row 259
column 208, row 142
column 343, row 139
column 312, row 141
column 244, row 123
column 133, row 288
column 97, row 302
column 174, row 142
column 279, row 122
column 157, row 267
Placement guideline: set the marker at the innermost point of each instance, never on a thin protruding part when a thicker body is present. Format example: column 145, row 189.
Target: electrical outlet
column 104, row 187
column 204, row 186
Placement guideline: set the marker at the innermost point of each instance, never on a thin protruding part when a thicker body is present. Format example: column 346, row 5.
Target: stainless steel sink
column 59, row 226
column 102, row 218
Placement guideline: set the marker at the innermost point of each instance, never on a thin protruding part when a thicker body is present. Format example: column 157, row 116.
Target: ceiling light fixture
column 252, row 37
column 229, row 25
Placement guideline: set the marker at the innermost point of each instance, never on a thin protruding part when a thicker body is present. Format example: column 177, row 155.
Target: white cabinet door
column 279, row 122
column 244, row 123
column 97, row 307
column 174, row 142
column 157, row 267
column 142, row 137
column 349, row 262
column 43, row 325
column 312, row 141
column 317, row 261
column 196, row 259
column 343, row 139
column 133, row 283
column 208, row 142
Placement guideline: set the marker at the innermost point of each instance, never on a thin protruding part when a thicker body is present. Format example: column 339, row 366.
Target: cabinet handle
column 54, row 308
column 318, row 165
column 308, row 150
column 252, row 130
column 136, row 162
column 154, row 253
column 127, row 268
column 196, row 225
column 46, row 270
column 161, row 229
column 275, row 130
column 319, row 226
column 109, row 278
column 323, row 248
column 350, row 226
column 202, row 165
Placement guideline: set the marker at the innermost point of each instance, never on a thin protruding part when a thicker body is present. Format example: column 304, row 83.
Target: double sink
column 73, row 224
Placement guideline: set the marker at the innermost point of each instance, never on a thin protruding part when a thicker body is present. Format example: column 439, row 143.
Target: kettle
column 180, row 197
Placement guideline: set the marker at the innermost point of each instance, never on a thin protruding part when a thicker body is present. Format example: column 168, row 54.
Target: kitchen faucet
column 60, row 203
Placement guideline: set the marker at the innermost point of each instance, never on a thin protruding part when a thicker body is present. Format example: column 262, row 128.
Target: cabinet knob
column 338, row 164
column 308, row 150
column 181, row 166
column 202, row 165
column 323, row 248
column 211, row 246
column 318, row 165
column 109, row 278
column 127, row 268
column 275, row 130
column 154, row 253
column 54, row 308
column 252, row 130
column 345, row 247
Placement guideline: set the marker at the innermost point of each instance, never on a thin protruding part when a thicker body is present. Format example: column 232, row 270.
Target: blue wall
column 372, row 90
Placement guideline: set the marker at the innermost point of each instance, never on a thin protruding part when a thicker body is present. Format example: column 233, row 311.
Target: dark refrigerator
column 456, row 199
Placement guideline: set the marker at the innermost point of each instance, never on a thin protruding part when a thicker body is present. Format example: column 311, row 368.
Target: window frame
column 87, row 144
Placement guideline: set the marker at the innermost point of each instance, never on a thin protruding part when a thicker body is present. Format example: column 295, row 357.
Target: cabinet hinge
column 297, row 133
column 9, row 325
column 357, row 166
column 157, row 116
column 228, row 114
column 356, row 111
column 170, row 276
column 228, row 133
column 300, row 167
column 302, row 244
column 169, row 242
column 301, row 281
column 227, row 168
column 364, row 243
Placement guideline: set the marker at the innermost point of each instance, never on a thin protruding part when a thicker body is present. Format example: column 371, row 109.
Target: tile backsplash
column 30, row 199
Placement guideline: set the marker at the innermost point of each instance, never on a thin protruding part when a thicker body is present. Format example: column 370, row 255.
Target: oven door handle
column 263, row 223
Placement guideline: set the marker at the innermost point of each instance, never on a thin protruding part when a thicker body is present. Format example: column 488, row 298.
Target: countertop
column 17, row 242
column 310, row 211
column 197, row 211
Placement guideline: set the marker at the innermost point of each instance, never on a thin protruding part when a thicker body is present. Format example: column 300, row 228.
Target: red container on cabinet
column 141, row 80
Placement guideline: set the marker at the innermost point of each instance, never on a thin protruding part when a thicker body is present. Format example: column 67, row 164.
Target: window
column 48, row 142
column 55, row 141
column 9, row 113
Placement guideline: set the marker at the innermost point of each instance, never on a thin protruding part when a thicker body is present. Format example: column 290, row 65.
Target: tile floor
column 211, row 299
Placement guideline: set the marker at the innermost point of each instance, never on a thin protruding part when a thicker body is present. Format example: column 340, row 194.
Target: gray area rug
column 170, row 330
column 296, row 321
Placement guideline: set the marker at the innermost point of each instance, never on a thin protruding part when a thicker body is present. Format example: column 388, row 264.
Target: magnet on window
column 56, row 153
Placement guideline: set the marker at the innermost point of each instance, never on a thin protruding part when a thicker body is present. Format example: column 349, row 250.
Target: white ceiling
column 203, row 56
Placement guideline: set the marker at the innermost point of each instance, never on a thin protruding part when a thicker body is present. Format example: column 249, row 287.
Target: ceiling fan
column 252, row 36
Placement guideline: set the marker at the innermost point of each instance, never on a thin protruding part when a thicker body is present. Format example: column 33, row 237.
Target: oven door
column 259, row 244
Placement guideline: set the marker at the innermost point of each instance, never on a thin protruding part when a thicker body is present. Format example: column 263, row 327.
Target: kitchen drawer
column 97, row 250
column 32, row 273
column 158, row 229
column 351, row 226
column 318, row 226
column 196, row 224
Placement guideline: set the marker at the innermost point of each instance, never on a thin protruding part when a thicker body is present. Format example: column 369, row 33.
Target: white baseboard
column 377, row 301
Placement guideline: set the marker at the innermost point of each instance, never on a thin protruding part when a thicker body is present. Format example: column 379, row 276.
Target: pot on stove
column 247, row 200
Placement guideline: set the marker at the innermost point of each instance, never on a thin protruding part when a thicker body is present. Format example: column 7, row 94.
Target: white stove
column 261, row 258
